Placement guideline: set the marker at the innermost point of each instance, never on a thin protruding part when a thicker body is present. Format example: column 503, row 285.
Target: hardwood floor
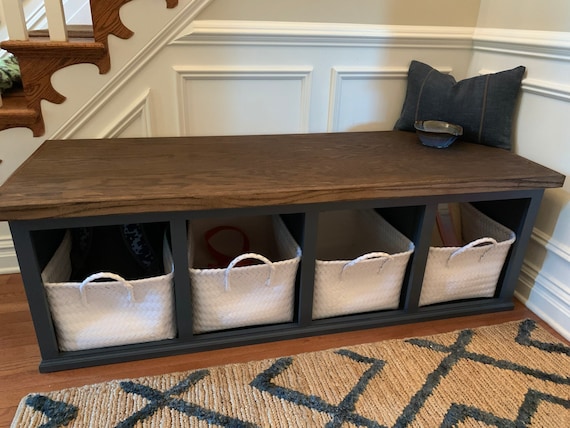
column 20, row 355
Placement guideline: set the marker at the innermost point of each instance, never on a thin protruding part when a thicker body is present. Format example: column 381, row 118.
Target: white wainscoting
column 541, row 135
column 343, row 77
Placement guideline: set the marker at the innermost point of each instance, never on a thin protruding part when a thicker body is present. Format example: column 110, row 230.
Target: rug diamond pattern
column 466, row 378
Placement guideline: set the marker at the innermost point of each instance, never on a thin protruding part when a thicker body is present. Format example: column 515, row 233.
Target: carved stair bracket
column 39, row 60
column 106, row 14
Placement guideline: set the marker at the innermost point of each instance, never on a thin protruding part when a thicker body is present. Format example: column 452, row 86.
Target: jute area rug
column 509, row 375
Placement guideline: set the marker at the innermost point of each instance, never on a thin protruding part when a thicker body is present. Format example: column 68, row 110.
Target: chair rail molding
column 531, row 43
column 543, row 88
column 323, row 34
column 547, row 89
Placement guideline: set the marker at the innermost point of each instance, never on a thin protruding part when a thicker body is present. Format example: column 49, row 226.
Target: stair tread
column 39, row 43
column 14, row 104
column 73, row 32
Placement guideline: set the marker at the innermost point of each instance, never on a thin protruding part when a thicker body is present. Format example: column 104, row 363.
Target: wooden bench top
column 75, row 178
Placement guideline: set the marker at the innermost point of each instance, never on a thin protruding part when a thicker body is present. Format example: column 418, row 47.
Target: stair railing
column 15, row 19
column 13, row 16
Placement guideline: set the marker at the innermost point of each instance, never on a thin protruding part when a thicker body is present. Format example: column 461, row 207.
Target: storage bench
column 84, row 183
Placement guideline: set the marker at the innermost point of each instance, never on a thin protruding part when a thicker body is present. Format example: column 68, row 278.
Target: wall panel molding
column 140, row 109
column 342, row 76
column 300, row 75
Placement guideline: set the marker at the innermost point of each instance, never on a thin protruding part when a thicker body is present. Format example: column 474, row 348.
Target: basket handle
column 245, row 256
column 472, row 244
column 105, row 275
column 368, row 256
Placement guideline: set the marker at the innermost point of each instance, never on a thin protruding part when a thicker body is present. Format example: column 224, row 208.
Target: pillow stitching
column 483, row 109
column 420, row 93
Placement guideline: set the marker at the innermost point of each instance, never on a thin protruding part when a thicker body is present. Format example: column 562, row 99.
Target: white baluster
column 56, row 20
column 15, row 19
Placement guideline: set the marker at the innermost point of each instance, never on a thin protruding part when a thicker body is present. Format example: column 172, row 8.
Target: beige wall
column 461, row 13
column 544, row 15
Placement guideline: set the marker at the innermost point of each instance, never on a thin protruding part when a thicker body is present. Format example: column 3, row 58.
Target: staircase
column 39, row 57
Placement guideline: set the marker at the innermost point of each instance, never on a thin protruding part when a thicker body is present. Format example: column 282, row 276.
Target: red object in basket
column 223, row 260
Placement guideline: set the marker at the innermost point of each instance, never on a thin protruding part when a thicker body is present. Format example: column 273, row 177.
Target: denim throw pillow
column 482, row 105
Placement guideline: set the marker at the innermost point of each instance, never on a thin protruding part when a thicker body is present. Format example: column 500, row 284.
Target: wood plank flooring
column 19, row 354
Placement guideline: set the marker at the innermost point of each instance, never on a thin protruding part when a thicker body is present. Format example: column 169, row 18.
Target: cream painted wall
column 389, row 12
column 543, row 15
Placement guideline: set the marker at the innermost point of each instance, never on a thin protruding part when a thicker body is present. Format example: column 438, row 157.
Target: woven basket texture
column 454, row 273
column 252, row 295
column 346, row 280
column 107, row 314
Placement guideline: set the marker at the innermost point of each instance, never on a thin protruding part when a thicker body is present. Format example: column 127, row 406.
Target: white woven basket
column 471, row 271
column 114, row 312
column 360, row 266
column 239, row 296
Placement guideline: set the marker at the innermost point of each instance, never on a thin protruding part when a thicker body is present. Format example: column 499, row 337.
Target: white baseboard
column 546, row 298
column 8, row 259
